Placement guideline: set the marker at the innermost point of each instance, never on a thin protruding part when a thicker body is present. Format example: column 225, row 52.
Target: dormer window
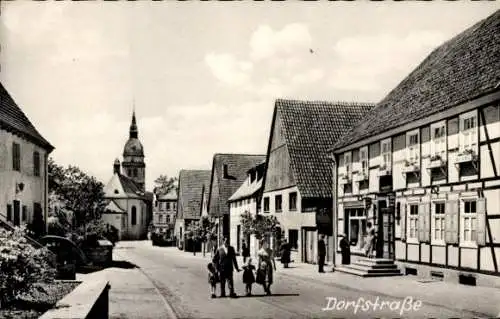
column 225, row 171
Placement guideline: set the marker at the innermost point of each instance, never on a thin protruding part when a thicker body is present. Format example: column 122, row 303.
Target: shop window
column 357, row 227
column 293, row 238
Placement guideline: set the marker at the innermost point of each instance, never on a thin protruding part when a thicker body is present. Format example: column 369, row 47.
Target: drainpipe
column 334, row 210
column 46, row 192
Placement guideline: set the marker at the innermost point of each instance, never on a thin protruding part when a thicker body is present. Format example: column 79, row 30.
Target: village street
column 181, row 279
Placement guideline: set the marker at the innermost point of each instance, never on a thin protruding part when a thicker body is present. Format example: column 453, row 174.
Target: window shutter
column 421, row 222
column 451, row 220
column 481, row 222
column 403, row 222
column 427, row 222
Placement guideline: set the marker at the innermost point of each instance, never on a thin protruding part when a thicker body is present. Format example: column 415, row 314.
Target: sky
column 203, row 76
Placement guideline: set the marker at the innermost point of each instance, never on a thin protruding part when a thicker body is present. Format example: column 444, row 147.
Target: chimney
column 116, row 167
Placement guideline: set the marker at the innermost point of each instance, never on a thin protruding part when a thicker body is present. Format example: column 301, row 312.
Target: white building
column 245, row 199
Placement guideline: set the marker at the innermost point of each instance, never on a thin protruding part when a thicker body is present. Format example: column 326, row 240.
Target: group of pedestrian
column 224, row 262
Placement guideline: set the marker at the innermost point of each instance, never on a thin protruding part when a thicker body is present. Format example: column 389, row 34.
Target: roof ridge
column 242, row 154
column 325, row 102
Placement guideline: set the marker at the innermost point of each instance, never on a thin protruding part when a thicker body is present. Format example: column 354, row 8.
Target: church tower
column 133, row 157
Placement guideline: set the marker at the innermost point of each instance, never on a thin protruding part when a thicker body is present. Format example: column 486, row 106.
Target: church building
column 128, row 204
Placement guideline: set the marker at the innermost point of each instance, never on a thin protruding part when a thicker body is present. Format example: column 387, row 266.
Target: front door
column 17, row 213
column 385, row 236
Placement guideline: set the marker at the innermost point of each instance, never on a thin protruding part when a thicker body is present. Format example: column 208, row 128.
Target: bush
column 21, row 265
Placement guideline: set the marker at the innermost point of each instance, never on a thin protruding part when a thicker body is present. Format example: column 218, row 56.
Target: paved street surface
column 170, row 283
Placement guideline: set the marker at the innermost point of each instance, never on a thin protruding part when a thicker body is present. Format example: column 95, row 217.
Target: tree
column 259, row 225
column 208, row 231
column 194, row 232
column 77, row 192
column 165, row 184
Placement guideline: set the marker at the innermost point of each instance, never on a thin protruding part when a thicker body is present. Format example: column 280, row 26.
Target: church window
column 134, row 215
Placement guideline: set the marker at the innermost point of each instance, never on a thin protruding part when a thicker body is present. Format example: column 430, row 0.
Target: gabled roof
column 238, row 166
column 169, row 196
column 462, row 69
column 309, row 129
column 191, row 184
column 129, row 186
column 12, row 118
column 113, row 207
column 246, row 190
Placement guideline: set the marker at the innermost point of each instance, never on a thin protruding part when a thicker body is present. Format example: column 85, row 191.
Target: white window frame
column 363, row 160
column 468, row 219
column 412, row 219
column 438, row 143
column 386, row 156
column 413, row 151
column 468, row 136
column 361, row 232
column 442, row 226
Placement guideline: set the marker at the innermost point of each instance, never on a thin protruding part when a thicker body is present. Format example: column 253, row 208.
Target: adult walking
column 245, row 251
column 321, row 253
column 266, row 266
column 285, row 253
column 370, row 240
column 225, row 262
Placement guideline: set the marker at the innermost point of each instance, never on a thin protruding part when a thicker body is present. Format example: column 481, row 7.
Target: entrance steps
column 371, row 267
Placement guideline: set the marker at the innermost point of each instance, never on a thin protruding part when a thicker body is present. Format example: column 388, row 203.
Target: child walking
column 213, row 278
column 248, row 276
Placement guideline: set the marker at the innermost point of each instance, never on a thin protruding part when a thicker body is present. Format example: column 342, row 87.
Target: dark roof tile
column 462, row 69
column 191, row 184
column 13, row 118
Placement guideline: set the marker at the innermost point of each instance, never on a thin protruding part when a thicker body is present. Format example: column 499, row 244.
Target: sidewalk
column 482, row 301
column 131, row 295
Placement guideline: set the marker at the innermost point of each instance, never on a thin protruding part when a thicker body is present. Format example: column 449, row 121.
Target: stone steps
column 371, row 267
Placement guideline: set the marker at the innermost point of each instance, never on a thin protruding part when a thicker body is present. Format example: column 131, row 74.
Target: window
column 357, row 227
column 292, row 199
column 36, row 163
column 413, row 222
column 293, row 238
column 16, row 156
column 160, row 219
column 134, row 216
column 266, row 204
column 9, row 212
column 24, row 213
column 438, row 222
column 469, row 221
column 468, row 132
column 413, row 147
column 347, row 163
column 277, row 203
column 168, row 219
column 438, row 144
column 386, row 153
column 135, row 172
column 168, row 205
column 363, row 158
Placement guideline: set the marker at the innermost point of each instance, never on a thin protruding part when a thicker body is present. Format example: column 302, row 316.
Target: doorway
column 17, row 213
column 385, row 236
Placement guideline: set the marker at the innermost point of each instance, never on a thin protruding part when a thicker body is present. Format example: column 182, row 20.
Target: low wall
column 89, row 300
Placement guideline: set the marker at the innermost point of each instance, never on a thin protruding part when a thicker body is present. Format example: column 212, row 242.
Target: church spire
column 133, row 127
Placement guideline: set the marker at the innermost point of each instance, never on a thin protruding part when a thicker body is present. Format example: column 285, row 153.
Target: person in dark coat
column 245, row 251
column 321, row 253
column 225, row 262
column 345, row 250
column 285, row 253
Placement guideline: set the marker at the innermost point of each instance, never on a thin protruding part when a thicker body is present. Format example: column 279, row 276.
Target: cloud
column 266, row 43
column 363, row 62
column 309, row 76
column 227, row 69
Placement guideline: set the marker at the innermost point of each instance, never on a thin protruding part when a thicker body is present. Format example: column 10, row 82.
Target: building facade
column 298, row 176
column 423, row 165
column 164, row 213
column 23, row 167
column 190, row 202
column 128, row 203
column 246, row 199
column 229, row 171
